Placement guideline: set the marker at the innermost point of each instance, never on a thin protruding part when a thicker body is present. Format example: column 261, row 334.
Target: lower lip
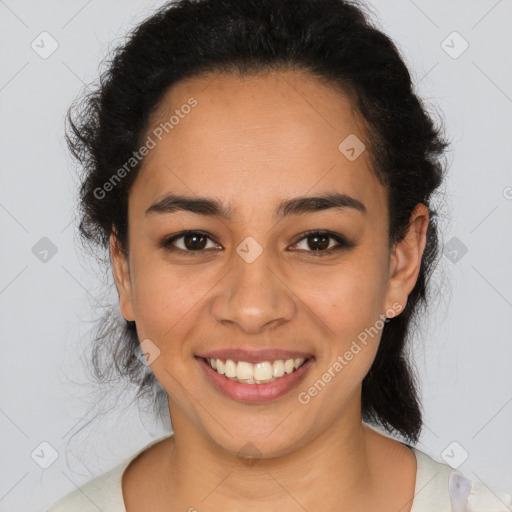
column 255, row 393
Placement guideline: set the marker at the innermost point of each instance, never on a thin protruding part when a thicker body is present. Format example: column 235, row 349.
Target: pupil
column 190, row 245
column 323, row 245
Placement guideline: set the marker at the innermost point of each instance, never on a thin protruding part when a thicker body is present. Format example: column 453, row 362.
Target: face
column 253, row 284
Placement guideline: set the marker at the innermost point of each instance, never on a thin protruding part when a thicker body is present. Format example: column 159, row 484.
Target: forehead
column 261, row 136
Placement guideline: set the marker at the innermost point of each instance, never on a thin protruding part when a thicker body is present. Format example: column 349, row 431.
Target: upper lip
column 254, row 355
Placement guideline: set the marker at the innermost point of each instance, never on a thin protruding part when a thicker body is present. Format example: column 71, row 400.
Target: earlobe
column 405, row 258
column 121, row 271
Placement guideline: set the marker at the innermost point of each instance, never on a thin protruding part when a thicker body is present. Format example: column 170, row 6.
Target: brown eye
column 318, row 243
column 194, row 242
column 189, row 241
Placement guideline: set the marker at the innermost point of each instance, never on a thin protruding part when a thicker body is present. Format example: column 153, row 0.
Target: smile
column 257, row 382
column 258, row 373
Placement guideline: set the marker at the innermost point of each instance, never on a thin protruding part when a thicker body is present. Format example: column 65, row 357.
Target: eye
column 189, row 241
column 318, row 243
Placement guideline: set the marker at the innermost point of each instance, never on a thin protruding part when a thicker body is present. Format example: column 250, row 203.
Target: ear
column 121, row 269
column 405, row 260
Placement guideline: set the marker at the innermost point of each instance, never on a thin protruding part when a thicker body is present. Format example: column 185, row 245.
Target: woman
column 261, row 173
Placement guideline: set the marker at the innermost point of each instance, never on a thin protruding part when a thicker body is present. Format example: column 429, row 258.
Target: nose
column 254, row 296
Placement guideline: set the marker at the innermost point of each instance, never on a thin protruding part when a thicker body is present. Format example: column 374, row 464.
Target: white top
column 439, row 488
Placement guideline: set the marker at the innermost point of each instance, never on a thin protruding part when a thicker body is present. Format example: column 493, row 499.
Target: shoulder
column 476, row 496
column 441, row 488
column 101, row 493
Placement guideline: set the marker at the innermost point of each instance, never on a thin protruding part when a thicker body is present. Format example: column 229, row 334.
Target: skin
column 252, row 142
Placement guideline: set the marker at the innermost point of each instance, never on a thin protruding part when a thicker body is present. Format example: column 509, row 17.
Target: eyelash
column 166, row 243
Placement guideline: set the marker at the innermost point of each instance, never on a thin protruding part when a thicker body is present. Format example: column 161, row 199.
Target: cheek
column 164, row 297
column 347, row 297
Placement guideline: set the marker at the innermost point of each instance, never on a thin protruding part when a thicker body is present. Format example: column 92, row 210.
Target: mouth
column 260, row 373
column 255, row 382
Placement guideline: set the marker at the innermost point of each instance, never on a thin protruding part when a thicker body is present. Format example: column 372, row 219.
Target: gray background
column 463, row 351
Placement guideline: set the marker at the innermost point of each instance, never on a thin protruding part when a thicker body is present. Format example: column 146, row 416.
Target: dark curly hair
column 335, row 41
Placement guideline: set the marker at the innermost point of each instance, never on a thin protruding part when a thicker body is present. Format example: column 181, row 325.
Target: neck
column 336, row 466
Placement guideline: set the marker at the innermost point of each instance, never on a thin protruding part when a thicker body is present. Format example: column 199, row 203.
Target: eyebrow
column 172, row 203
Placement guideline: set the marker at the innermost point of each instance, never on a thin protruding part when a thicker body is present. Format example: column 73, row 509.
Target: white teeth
column 263, row 371
column 230, row 368
column 288, row 365
column 244, row 370
column 278, row 368
column 258, row 373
